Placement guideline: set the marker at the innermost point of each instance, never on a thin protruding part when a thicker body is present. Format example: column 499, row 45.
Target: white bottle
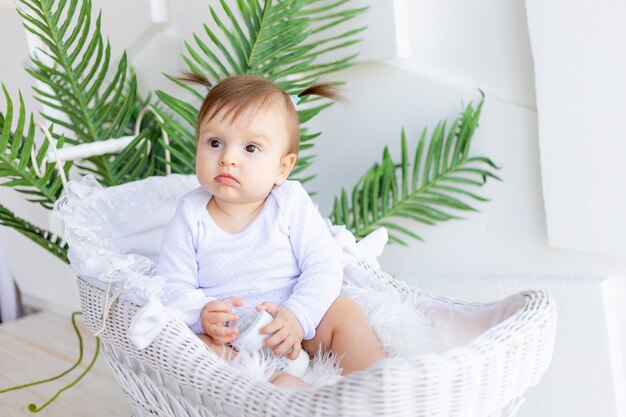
column 249, row 338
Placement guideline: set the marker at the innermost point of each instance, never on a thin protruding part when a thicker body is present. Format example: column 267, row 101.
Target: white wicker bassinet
column 176, row 375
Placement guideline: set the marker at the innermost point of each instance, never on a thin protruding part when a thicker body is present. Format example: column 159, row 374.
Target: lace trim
column 98, row 219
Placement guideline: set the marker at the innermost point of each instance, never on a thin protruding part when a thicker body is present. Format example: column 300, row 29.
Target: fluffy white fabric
column 323, row 369
column 252, row 364
column 402, row 330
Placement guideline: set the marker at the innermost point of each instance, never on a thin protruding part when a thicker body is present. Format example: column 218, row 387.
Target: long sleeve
column 177, row 261
column 319, row 259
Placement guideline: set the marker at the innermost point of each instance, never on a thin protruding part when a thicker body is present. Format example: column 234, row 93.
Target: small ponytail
column 327, row 90
column 195, row 78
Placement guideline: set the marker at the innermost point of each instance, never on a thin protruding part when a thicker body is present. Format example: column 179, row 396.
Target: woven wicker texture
column 487, row 377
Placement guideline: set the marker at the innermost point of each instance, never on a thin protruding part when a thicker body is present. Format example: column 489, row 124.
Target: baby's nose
column 225, row 162
column 228, row 159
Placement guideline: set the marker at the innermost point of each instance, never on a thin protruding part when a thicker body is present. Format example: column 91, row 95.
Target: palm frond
column 74, row 65
column 267, row 38
column 181, row 131
column 16, row 167
column 52, row 243
column 433, row 192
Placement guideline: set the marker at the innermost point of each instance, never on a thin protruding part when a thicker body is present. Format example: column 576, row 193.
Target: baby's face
column 239, row 162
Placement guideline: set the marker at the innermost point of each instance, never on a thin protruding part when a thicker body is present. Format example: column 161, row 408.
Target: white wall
column 456, row 47
column 581, row 106
column 473, row 43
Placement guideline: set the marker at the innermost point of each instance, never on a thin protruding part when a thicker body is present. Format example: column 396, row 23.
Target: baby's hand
column 213, row 317
column 286, row 330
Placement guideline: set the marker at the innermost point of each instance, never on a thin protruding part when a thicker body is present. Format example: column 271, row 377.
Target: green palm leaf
column 267, row 38
column 145, row 155
column 74, row 66
column 181, row 131
column 16, row 168
column 435, row 192
column 53, row 244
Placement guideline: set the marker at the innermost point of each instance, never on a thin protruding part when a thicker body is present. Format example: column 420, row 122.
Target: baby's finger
column 218, row 330
column 295, row 351
column 269, row 307
column 237, row 302
column 218, row 306
column 284, row 347
column 274, row 326
column 277, row 337
column 216, row 318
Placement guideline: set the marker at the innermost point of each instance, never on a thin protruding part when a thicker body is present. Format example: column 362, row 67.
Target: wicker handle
column 86, row 150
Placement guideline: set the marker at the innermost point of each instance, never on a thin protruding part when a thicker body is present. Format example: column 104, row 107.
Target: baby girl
column 248, row 236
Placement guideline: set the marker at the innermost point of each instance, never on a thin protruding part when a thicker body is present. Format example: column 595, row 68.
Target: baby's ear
column 286, row 165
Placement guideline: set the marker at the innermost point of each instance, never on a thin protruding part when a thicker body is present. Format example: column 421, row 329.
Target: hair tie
column 295, row 99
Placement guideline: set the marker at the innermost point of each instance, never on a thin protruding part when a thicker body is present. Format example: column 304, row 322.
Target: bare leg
column 279, row 378
column 344, row 329
column 224, row 351
column 285, row 380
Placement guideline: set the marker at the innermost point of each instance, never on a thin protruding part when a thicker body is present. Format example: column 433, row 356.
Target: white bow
column 369, row 248
column 154, row 315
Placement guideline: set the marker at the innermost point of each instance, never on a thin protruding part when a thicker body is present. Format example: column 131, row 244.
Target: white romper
column 285, row 255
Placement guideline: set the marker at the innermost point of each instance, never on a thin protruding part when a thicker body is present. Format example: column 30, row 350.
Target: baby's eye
column 251, row 148
column 215, row 143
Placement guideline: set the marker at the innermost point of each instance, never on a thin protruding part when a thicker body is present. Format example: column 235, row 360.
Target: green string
column 32, row 407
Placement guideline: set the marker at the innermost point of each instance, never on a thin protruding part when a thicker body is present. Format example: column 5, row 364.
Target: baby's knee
column 345, row 305
column 347, row 301
column 284, row 380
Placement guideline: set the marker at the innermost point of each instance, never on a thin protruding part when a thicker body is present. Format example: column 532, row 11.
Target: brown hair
column 239, row 93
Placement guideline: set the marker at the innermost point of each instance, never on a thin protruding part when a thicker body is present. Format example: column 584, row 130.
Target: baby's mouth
column 226, row 179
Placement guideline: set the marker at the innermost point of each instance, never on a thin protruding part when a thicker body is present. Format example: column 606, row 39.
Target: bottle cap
column 248, row 326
